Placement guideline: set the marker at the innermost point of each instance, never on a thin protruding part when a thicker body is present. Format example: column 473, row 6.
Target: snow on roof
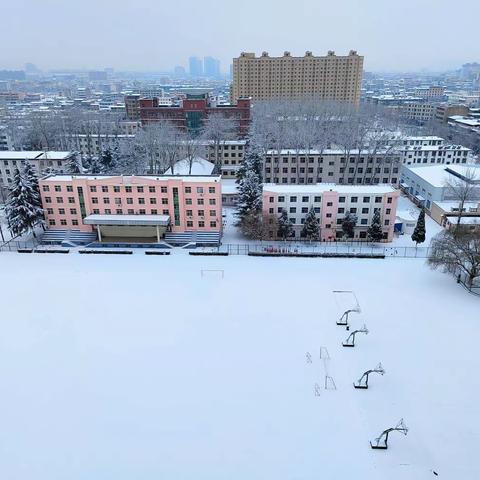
column 229, row 186
column 122, row 178
column 22, row 155
column 33, row 155
column 325, row 187
column 448, row 205
column 199, row 166
column 127, row 220
column 437, row 175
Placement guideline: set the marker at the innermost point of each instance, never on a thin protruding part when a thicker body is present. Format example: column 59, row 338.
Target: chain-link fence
column 325, row 248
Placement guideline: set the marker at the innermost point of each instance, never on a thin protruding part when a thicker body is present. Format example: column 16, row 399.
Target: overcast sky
column 157, row 34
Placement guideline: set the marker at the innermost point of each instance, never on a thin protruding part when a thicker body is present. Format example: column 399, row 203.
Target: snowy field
column 138, row 367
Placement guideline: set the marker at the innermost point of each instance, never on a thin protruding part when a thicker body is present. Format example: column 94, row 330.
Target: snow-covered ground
column 138, row 367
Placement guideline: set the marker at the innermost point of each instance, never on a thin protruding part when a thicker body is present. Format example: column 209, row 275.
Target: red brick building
column 191, row 112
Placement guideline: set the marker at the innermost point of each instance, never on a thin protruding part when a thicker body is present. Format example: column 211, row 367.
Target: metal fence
column 14, row 245
column 326, row 248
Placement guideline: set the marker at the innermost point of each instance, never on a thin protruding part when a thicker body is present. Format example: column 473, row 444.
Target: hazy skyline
column 151, row 35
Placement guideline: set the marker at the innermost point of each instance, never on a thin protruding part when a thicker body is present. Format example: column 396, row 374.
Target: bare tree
column 217, row 129
column 456, row 253
column 463, row 188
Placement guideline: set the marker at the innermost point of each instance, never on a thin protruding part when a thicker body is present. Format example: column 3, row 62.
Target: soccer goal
column 212, row 274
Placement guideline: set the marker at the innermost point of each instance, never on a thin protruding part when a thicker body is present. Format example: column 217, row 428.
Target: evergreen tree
column 31, row 176
column 285, row 227
column 23, row 208
column 249, row 194
column 311, row 227
column 348, row 224
column 418, row 235
column 374, row 231
column 107, row 160
column 252, row 162
column 94, row 166
column 74, row 165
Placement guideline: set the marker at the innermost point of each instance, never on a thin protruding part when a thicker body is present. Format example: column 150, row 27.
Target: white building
column 96, row 144
column 42, row 162
column 426, row 185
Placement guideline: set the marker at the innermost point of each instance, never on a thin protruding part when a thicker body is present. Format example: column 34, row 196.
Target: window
column 353, row 210
column 106, row 200
column 341, row 210
column 317, row 199
column 119, row 211
column 293, row 199
column 389, row 199
column 48, row 199
column 130, row 211
column 51, row 222
column 189, row 213
column 188, row 190
column 211, row 189
column 153, row 201
column 116, row 189
column 212, row 201
column 329, row 215
column 304, row 209
column 201, row 213
column 153, row 211
column 165, row 211
column 387, row 222
column 104, row 189
column 71, row 199
column 366, row 199
column 141, row 201
column 341, row 199
column 188, row 201
column 354, row 199
column 378, row 199
column 108, row 211
column 59, row 199
column 50, row 211
column 61, row 211
column 189, row 224
column 142, row 211
column 213, row 213
column 139, row 189
column 329, row 204
column 93, row 189
column 94, row 199
column 281, row 199
column 69, row 188
column 388, row 211
column 75, row 222
column 128, row 189
column 199, row 189
column 293, row 210
column 46, row 188
column 365, row 210
column 364, row 221
column 129, row 200
column 199, row 201
column 213, row 224
column 96, row 211
column 305, row 199
column 201, row 223
column 58, row 188
column 151, row 189
column 164, row 189
column 165, row 201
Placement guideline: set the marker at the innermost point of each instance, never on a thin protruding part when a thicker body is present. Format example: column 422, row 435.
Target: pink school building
column 331, row 202
column 139, row 208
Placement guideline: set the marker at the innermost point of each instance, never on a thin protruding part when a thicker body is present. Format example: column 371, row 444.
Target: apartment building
column 332, row 166
column 331, row 77
column 434, row 154
column 231, row 154
column 444, row 111
column 5, row 140
column 41, row 162
column 135, row 207
column 331, row 202
column 419, row 112
column 92, row 144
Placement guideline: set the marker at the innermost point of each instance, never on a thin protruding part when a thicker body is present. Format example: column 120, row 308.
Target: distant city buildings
column 195, row 67
column 329, row 77
column 211, row 67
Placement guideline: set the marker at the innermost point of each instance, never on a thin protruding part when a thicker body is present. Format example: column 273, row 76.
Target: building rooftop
column 326, row 187
column 33, row 155
column 125, row 179
column 438, row 175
